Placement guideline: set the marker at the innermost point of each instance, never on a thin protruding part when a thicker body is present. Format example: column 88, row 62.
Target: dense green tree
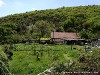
column 68, row 25
column 86, row 34
column 44, row 28
column 6, row 30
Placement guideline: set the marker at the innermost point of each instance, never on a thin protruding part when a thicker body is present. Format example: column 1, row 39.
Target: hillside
column 83, row 19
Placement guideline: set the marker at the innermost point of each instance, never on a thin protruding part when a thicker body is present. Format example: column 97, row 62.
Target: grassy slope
column 24, row 62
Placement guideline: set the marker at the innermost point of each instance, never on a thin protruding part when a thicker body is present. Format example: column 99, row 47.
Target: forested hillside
column 83, row 19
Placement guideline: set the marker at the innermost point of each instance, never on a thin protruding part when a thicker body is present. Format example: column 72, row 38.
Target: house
column 66, row 38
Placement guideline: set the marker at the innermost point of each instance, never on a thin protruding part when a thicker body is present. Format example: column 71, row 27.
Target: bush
column 4, row 68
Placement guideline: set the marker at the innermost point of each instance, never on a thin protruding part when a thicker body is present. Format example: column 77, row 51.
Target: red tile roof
column 66, row 35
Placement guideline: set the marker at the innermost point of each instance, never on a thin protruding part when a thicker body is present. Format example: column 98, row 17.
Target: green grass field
column 24, row 62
